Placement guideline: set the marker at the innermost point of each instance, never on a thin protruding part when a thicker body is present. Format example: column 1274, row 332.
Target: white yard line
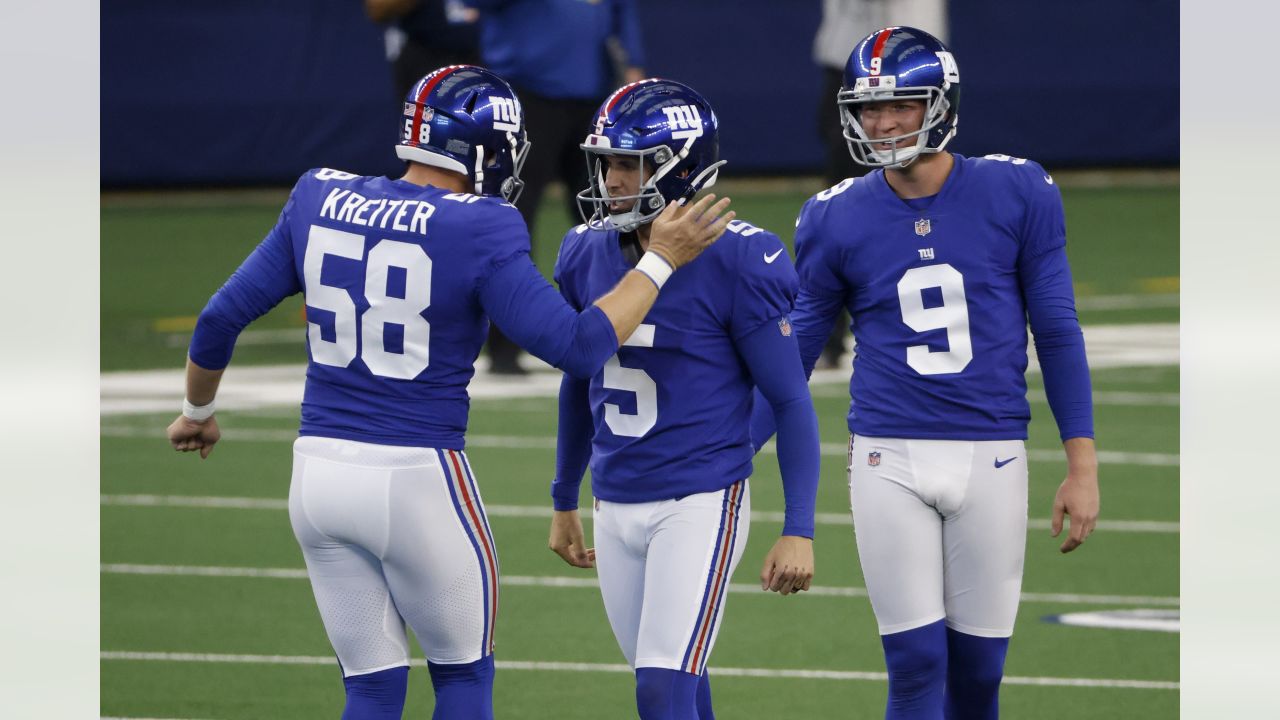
column 256, row 387
column 542, row 666
column 518, row 442
column 587, row 581
column 543, row 511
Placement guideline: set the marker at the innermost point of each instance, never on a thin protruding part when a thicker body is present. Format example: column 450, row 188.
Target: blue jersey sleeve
column 530, row 312
column 1044, row 224
column 573, row 442
column 561, row 273
column 818, row 303
column 764, row 288
column 773, row 360
column 1051, row 312
column 1045, row 277
column 266, row 277
column 822, row 291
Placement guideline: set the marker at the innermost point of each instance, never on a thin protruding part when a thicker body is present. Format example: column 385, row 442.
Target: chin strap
column 712, row 173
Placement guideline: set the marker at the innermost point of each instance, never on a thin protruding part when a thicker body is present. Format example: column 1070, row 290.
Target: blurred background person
column 562, row 57
column 422, row 35
column 844, row 23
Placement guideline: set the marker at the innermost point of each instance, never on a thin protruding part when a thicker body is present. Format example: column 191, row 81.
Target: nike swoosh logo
column 1048, row 179
column 770, row 258
column 1001, row 463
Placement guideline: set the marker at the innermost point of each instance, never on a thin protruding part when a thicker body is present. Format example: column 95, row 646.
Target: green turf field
column 207, row 614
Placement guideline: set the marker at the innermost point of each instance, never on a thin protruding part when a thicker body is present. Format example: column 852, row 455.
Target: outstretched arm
column 531, row 312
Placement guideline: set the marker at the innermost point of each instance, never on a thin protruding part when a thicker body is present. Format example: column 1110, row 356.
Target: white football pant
column 664, row 571
column 941, row 531
column 394, row 535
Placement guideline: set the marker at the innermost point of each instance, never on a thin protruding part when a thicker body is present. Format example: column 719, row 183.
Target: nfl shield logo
column 873, row 459
column 922, row 227
column 784, row 325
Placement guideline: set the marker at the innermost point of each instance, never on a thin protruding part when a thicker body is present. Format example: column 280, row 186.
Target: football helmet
column 467, row 120
column 899, row 63
column 674, row 134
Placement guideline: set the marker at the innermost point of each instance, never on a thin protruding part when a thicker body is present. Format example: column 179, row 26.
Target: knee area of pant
column 976, row 662
column 917, row 653
column 664, row 694
column 387, row 685
column 653, row 690
column 472, row 673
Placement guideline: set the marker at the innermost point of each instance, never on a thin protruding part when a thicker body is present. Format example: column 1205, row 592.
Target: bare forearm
column 628, row 302
column 1082, row 457
column 202, row 384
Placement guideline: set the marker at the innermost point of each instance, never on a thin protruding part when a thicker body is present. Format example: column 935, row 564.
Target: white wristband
column 655, row 268
column 199, row 413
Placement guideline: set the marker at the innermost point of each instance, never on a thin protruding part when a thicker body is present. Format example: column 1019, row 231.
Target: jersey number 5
column 636, row 381
column 952, row 315
column 383, row 309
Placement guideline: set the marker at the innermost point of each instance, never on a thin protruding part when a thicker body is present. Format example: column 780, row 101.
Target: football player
column 941, row 261
column 401, row 277
column 665, row 424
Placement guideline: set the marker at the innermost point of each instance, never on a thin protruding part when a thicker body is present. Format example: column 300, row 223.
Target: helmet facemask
column 935, row 132
column 660, row 183
column 503, row 166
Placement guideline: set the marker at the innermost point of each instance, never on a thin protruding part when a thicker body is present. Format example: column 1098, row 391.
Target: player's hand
column 681, row 232
column 567, row 541
column 788, row 568
column 1078, row 497
column 187, row 435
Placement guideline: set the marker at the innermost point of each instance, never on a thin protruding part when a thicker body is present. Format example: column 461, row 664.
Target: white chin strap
column 901, row 157
column 861, row 144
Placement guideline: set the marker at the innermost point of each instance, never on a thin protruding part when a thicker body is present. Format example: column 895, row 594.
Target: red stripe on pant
column 720, row 565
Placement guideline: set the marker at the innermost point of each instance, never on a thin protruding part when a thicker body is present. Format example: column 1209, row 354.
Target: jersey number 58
column 383, row 308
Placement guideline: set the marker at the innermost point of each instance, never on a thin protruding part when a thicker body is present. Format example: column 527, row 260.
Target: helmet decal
column 899, row 63
column 467, row 120
column 672, row 133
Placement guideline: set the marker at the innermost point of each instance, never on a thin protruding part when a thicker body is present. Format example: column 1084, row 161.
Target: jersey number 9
column 952, row 315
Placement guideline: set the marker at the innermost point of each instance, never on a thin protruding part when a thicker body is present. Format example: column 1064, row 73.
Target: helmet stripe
column 422, row 98
column 618, row 95
column 880, row 41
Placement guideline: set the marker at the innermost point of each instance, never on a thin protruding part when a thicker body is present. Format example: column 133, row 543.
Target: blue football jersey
column 671, row 410
column 934, row 291
column 400, row 281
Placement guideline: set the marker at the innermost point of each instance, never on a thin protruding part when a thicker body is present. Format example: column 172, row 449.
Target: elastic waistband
column 365, row 454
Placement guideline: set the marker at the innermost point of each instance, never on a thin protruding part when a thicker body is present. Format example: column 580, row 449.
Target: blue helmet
column 900, row 63
column 467, row 120
column 674, row 133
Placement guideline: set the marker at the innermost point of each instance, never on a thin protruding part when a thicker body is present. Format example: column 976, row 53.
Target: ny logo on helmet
column 506, row 114
column 684, row 120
